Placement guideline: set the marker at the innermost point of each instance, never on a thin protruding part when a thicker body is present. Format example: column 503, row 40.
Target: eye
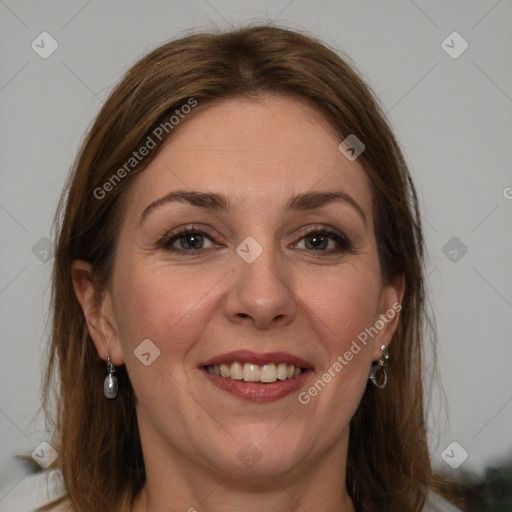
column 324, row 240
column 193, row 241
column 186, row 241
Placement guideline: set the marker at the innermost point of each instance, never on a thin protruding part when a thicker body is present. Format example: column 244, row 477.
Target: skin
column 311, row 303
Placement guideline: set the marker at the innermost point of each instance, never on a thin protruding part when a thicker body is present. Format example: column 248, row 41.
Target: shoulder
column 52, row 485
column 35, row 491
column 436, row 503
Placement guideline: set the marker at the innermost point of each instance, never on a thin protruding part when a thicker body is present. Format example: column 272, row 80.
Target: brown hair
column 98, row 442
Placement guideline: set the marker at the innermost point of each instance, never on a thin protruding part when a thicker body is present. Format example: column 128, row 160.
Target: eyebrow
column 219, row 202
column 311, row 200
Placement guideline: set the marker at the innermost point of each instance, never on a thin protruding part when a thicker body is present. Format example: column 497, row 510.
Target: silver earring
column 380, row 367
column 110, row 386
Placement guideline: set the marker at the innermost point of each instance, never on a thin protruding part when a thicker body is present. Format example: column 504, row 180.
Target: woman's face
column 279, row 268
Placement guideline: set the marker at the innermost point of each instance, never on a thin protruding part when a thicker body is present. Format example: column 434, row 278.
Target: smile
column 257, row 377
column 249, row 372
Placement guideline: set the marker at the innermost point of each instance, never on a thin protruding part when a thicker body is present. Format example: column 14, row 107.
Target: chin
column 261, row 451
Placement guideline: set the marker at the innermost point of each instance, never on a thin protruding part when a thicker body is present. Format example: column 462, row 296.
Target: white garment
column 437, row 504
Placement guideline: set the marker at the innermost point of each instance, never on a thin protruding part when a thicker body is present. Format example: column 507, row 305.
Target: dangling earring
column 380, row 365
column 110, row 386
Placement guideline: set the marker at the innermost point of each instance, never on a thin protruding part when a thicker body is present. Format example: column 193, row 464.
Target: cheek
column 163, row 304
column 344, row 305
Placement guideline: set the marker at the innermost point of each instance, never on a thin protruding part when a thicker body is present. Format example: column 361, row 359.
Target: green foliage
column 492, row 493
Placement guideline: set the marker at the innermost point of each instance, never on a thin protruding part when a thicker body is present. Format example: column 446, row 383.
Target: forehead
column 257, row 152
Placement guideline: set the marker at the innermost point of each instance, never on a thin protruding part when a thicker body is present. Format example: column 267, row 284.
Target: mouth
column 257, row 377
column 249, row 372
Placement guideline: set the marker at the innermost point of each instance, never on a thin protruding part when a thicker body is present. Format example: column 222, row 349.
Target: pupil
column 317, row 242
column 191, row 242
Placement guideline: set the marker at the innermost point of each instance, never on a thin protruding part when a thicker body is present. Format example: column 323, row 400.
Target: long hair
column 100, row 454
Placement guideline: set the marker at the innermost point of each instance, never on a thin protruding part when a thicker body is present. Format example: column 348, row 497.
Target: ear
column 97, row 307
column 388, row 315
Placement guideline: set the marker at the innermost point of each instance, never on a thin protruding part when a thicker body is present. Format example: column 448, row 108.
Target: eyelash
column 166, row 242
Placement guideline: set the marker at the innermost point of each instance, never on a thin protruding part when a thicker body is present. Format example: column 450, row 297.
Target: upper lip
column 247, row 356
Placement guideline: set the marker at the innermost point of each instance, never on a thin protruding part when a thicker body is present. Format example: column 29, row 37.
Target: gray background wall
column 450, row 110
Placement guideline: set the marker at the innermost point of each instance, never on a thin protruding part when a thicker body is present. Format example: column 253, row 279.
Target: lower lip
column 256, row 391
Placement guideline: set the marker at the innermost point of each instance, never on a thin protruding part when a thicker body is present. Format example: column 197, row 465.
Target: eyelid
column 314, row 228
column 188, row 228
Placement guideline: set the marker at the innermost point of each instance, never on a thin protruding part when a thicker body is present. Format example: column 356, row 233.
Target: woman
column 239, row 259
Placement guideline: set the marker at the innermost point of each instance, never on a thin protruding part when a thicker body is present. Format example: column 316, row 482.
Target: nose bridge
column 261, row 291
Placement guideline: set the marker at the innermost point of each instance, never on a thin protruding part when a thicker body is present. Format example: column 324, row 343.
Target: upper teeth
column 250, row 372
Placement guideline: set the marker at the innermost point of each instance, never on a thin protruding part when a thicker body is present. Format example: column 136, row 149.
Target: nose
column 261, row 293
